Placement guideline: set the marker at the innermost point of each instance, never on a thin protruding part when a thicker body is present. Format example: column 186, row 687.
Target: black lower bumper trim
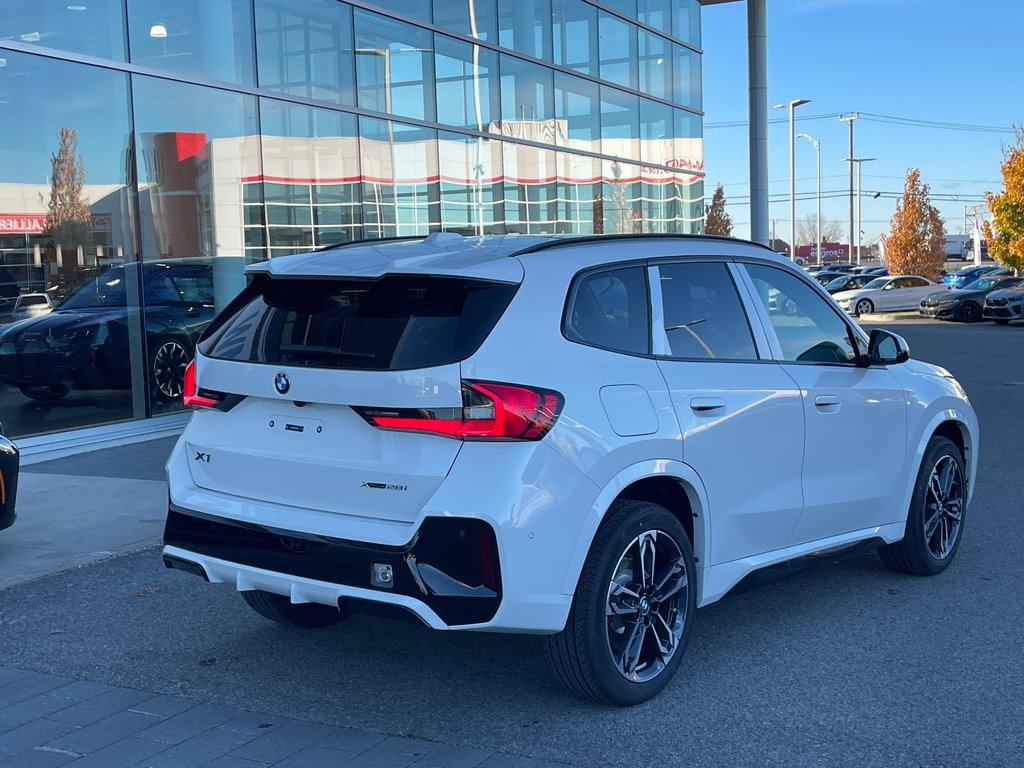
column 451, row 565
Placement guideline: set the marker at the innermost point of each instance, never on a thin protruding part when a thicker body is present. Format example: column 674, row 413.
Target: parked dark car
column 962, row 277
column 9, row 461
column 966, row 303
column 848, row 282
column 83, row 343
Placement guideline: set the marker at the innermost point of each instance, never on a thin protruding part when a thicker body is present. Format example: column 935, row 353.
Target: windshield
column 106, row 290
column 878, row 282
column 839, row 282
column 982, row 284
column 28, row 301
column 965, row 271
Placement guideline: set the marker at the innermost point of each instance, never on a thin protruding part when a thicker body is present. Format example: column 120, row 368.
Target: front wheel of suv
column 633, row 611
column 936, row 516
column 282, row 610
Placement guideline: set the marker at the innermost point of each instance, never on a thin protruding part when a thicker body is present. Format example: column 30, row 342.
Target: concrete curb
column 885, row 317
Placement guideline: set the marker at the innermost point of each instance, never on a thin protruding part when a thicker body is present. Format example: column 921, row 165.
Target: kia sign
column 829, row 252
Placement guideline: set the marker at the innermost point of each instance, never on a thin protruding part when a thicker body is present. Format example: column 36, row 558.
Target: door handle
column 827, row 401
column 705, row 404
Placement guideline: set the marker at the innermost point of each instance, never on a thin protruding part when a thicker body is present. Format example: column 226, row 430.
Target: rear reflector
column 489, row 411
column 190, row 396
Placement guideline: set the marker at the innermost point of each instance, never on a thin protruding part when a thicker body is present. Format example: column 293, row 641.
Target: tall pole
column 860, row 162
column 817, row 152
column 848, row 119
column 792, row 105
column 757, row 74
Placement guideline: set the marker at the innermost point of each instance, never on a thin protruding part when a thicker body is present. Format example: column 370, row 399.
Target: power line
column 880, row 118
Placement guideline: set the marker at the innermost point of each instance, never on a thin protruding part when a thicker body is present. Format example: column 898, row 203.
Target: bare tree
column 807, row 230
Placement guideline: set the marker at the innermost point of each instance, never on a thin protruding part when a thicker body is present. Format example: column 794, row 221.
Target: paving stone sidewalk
column 48, row 721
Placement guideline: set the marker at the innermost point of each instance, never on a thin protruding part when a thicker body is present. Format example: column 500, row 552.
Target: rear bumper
column 448, row 575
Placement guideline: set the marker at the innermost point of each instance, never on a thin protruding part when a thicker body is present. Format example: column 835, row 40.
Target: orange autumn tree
column 915, row 246
column 1006, row 239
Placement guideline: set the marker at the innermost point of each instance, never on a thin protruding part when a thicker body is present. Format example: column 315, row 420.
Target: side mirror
column 887, row 348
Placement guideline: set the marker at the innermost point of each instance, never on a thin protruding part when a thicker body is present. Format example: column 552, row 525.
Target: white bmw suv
column 586, row 438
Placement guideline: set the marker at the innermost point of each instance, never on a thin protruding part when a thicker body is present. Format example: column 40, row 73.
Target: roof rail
column 563, row 241
column 365, row 241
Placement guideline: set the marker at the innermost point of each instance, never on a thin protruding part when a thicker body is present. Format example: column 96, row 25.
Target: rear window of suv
column 397, row 322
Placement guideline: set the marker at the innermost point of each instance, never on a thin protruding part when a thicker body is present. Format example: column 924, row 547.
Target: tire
column 282, row 610
column 1000, row 322
column 168, row 357
column 589, row 656
column 864, row 307
column 970, row 312
column 45, row 392
column 935, row 499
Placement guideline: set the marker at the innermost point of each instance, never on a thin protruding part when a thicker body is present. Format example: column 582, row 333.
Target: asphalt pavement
column 847, row 664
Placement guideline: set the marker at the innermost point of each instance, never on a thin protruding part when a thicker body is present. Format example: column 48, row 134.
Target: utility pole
column 859, row 161
column 792, row 105
column 848, row 119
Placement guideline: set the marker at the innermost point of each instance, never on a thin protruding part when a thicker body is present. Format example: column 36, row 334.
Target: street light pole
column 848, row 119
column 859, row 161
column 792, row 173
column 817, row 152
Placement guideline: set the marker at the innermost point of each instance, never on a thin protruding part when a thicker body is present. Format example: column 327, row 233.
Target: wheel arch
column 956, row 425
column 668, row 483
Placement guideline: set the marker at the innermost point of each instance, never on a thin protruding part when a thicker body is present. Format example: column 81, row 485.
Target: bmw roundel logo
column 281, row 383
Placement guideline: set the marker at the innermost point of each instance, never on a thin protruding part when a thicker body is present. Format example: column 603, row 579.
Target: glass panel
column 618, row 45
column 627, row 7
column 578, row 112
column 471, row 185
column 525, row 26
column 580, row 208
column 66, row 229
column 304, row 47
column 622, row 209
column 686, row 77
column 95, row 28
column 467, row 84
column 610, row 310
column 475, row 18
column 688, row 146
column 531, row 190
column 620, row 122
column 414, row 9
column 198, row 161
column 655, row 65
column 394, row 66
column 704, row 318
column 196, row 37
column 808, row 328
column 656, row 14
column 686, row 21
column 401, row 189
column 575, row 35
column 656, row 132
column 311, row 172
column 527, row 99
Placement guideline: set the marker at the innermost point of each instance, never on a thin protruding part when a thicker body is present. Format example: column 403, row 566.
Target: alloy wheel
column 169, row 364
column 864, row 307
column 647, row 606
column 944, row 506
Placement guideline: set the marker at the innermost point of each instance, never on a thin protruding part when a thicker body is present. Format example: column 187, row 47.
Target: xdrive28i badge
column 281, row 383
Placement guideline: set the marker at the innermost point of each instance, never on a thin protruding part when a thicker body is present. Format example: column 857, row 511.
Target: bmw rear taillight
column 489, row 411
column 190, row 395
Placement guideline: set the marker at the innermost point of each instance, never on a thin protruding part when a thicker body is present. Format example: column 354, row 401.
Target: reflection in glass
column 475, row 18
column 400, row 186
column 467, row 84
column 655, row 65
column 656, row 132
column 311, row 179
column 304, row 47
column 575, row 36
column 394, row 66
column 686, row 76
column 196, row 37
column 414, row 9
column 618, row 45
column 95, row 28
column 67, row 218
column 578, row 112
column 471, row 184
column 531, row 191
column 656, row 14
column 527, row 100
column 620, row 122
column 525, row 26
column 623, row 213
column 580, row 206
column 686, row 21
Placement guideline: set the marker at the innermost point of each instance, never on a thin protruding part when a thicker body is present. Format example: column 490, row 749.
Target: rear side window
column 610, row 310
column 397, row 322
column 32, row 301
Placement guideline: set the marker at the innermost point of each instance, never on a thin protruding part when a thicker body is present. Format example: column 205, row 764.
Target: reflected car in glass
column 534, row 434
column 967, row 303
column 83, row 344
column 31, row 305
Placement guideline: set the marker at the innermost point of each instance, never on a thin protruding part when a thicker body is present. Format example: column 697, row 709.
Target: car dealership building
column 237, row 130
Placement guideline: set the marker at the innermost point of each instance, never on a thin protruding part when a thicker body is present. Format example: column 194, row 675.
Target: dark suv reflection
column 83, row 343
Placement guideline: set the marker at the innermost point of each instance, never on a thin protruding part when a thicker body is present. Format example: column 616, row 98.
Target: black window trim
column 613, row 266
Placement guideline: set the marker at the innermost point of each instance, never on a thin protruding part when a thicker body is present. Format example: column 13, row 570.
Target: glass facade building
column 150, row 149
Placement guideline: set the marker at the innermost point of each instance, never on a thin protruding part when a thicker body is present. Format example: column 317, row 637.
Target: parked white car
column 888, row 294
column 574, row 437
column 31, row 305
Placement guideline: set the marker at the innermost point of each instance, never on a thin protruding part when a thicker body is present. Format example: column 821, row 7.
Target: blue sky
column 936, row 60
